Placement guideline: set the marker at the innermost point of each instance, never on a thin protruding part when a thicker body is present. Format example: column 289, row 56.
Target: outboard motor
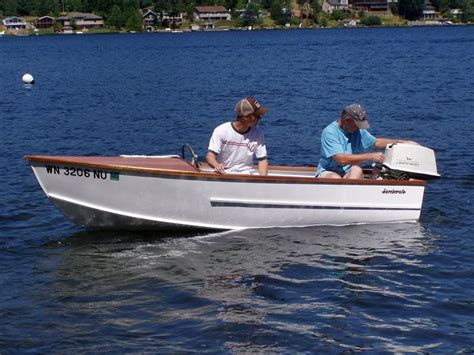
column 405, row 161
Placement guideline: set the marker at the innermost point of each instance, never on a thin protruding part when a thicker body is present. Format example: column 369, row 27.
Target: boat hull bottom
column 96, row 219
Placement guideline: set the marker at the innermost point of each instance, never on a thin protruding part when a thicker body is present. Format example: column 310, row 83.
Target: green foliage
column 250, row 14
column 116, row 18
column 410, row 9
column 371, row 20
column 276, row 9
column 277, row 13
column 316, row 6
column 240, row 4
column 73, row 5
column 339, row 15
column 133, row 20
column 122, row 13
column 37, row 7
column 321, row 19
column 295, row 21
column 57, row 27
column 468, row 11
column 443, row 5
column 8, row 7
column 394, row 8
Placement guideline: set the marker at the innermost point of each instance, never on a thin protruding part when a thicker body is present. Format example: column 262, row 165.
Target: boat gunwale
column 199, row 175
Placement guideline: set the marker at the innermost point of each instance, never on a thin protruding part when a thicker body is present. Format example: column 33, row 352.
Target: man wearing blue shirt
column 346, row 143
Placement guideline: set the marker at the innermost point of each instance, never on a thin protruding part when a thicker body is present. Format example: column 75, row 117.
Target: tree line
column 118, row 12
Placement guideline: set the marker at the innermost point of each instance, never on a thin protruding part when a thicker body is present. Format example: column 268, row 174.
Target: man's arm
column 352, row 159
column 381, row 143
column 263, row 166
column 211, row 159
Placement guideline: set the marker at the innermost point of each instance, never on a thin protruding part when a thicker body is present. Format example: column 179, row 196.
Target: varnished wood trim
column 275, row 167
column 195, row 175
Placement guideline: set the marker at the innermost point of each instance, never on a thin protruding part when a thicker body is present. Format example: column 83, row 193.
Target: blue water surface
column 386, row 288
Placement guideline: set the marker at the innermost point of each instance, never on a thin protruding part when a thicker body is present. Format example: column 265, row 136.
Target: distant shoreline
column 414, row 24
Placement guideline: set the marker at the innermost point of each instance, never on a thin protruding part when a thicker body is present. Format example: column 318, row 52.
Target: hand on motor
column 377, row 157
column 219, row 168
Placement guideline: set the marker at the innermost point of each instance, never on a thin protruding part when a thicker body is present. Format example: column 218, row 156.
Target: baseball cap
column 359, row 115
column 248, row 106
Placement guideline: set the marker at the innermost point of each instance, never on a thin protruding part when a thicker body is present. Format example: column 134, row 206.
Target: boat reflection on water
column 255, row 250
column 292, row 280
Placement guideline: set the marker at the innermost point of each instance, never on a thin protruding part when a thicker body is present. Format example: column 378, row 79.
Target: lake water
column 385, row 288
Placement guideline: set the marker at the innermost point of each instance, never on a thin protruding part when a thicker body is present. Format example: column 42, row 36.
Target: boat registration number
column 82, row 172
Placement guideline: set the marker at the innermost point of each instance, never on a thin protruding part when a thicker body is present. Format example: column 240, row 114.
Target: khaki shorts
column 326, row 173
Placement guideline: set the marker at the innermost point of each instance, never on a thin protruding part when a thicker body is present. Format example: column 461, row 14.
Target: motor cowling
column 404, row 161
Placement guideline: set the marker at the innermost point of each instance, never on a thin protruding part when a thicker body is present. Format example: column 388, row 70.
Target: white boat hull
column 123, row 199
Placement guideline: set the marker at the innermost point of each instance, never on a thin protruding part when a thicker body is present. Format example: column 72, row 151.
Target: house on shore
column 81, row 20
column 455, row 13
column 67, row 30
column 261, row 13
column 173, row 18
column 379, row 6
column 329, row 6
column 14, row 23
column 429, row 12
column 150, row 19
column 45, row 22
column 210, row 15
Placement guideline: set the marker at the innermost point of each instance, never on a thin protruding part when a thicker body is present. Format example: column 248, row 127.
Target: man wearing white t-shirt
column 234, row 144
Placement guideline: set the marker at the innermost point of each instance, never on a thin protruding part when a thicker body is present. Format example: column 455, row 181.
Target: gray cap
column 358, row 114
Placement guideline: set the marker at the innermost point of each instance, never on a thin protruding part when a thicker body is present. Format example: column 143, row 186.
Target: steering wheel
column 194, row 157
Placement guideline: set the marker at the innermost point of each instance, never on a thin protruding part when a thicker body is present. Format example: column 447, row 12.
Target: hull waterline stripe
column 311, row 207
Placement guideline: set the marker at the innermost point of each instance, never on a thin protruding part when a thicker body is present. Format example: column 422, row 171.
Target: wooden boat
column 168, row 192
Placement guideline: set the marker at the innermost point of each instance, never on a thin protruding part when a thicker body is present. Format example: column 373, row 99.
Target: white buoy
column 28, row 79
